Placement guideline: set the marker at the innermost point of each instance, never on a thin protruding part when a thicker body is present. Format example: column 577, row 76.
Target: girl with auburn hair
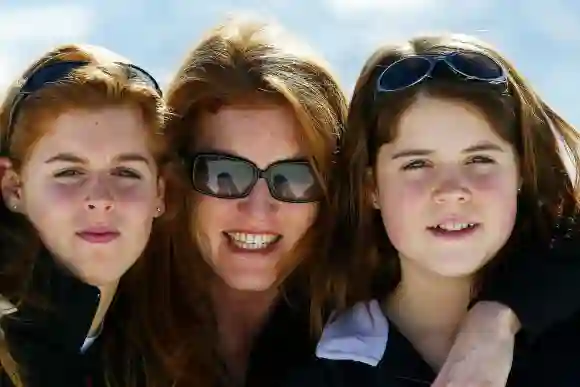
column 454, row 163
column 82, row 130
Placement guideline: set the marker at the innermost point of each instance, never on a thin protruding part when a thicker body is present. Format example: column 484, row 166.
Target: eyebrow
column 72, row 158
column 481, row 147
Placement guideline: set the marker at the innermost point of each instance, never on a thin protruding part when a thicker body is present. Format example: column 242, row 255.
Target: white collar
column 359, row 334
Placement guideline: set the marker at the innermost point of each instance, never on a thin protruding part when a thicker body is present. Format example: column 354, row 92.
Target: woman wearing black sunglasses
column 455, row 165
column 82, row 132
column 255, row 129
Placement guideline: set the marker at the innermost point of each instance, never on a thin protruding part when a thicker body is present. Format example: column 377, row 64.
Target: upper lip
column 99, row 230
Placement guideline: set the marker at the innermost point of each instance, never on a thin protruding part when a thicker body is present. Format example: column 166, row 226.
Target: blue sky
column 541, row 37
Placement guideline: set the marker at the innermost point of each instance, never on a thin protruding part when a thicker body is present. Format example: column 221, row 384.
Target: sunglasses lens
column 475, row 65
column 404, row 73
column 222, row 177
column 294, row 182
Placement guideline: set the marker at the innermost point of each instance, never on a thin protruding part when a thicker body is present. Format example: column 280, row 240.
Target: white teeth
column 451, row 226
column 252, row 241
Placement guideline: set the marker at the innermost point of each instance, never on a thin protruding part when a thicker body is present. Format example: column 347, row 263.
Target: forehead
column 439, row 122
column 251, row 128
column 101, row 132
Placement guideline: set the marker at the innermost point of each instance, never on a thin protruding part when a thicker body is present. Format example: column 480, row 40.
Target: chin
column 251, row 283
column 456, row 271
column 101, row 276
column 100, row 281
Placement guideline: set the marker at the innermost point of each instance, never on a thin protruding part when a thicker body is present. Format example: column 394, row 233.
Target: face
column 248, row 241
column 446, row 188
column 90, row 187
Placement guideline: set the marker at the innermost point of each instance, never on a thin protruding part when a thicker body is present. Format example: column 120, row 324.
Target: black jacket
column 284, row 344
column 361, row 348
column 45, row 336
column 540, row 283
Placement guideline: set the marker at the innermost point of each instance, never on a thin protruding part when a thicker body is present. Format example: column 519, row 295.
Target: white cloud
column 27, row 31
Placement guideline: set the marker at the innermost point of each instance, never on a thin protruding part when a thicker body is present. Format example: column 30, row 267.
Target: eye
column 68, row 173
column 481, row 160
column 127, row 173
column 415, row 164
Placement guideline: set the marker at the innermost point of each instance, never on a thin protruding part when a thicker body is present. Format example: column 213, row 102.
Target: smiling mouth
column 249, row 241
column 454, row 226
column 453, row 229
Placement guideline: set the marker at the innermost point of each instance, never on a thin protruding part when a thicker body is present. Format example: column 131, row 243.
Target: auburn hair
column 243, row 61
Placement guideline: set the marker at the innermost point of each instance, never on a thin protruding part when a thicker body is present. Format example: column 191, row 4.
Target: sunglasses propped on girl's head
column 412, row 70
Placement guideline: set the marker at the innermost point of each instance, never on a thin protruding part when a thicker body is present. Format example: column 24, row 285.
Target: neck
column 240, row 316
column 241, row 310
column 107, row 295
column 428, row 309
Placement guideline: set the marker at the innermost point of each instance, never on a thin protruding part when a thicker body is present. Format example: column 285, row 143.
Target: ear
column 371, row 188
column 11, row 185
column 160, row 200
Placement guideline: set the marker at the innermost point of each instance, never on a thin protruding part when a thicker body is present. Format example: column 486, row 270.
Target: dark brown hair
column 364, row 262
column 128, row 349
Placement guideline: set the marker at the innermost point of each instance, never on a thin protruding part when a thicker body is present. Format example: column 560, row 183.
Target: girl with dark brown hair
column 454, row 163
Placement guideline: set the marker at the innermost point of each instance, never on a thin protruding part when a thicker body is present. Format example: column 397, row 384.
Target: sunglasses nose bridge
column 258, row 202
column 259, row 174
column 263, row 174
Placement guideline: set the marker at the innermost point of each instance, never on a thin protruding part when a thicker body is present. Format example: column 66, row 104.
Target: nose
column 99, row 196
column 259, row 203
column 451, row 189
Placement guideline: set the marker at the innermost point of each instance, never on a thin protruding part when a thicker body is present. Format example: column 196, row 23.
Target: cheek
column 297, row 219
column 144, row 196
column 497, row 195
column 402, row 203
column 47, row 205
column 209, row 217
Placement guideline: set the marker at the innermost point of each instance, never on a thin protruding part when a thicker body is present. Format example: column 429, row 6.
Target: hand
column 483, row 350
